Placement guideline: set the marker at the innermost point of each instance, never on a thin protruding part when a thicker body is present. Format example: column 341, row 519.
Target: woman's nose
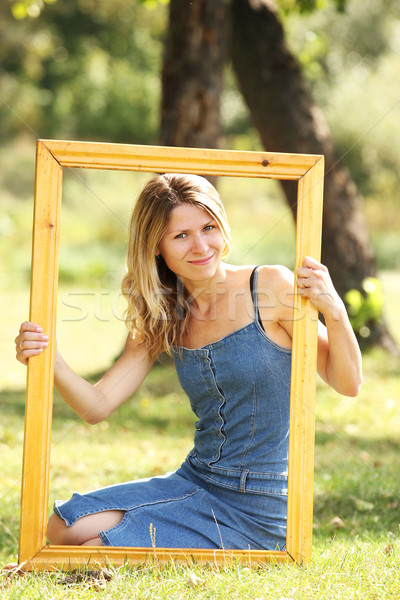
column 198, row 245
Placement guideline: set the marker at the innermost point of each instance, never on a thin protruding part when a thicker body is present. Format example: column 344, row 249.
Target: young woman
column 229, row 330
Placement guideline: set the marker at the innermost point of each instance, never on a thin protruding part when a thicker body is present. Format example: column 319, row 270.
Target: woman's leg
column 84, row 531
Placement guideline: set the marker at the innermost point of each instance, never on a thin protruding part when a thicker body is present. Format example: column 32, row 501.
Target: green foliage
column 365, row 307
column 22, row 9
column 151, row 4
column 84, row 69
column 309, row 6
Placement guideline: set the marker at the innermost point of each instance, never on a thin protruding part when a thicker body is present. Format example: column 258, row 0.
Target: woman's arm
column 93, row 403
column 339, row 356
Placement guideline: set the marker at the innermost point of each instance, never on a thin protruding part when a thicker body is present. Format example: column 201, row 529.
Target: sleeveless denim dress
column 231, row 490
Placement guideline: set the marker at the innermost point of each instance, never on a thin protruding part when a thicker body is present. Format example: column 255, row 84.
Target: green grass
column 361, row 572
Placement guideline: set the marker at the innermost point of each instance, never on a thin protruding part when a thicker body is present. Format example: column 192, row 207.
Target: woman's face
column 192, row 244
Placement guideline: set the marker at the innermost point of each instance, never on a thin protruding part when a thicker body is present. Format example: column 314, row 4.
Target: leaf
column 194, row 580
column 337, row 523
column 12, row 570
column 389, row 550
column 362, row 505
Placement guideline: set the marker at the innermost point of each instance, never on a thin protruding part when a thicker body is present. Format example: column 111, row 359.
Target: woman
column 229, row 330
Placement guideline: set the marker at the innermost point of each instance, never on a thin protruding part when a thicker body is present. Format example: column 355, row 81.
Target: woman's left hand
column 315, row 283
column 339, row 357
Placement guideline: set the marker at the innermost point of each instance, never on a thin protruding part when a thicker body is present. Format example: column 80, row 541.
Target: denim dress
column 231, row 490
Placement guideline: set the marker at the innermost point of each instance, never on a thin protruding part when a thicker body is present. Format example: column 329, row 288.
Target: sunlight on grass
column 336, row 573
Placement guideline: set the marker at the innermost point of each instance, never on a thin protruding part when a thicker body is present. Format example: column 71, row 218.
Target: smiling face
column 192, row 244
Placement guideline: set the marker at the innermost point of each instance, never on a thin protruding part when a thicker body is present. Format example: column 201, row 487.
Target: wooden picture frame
column 52, row 158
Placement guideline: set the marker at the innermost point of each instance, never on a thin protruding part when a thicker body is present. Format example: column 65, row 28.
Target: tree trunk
column 192, row 74
column 288, row 120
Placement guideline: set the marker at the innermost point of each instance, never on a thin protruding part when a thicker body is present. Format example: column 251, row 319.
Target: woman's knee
column 83, row 530
column 57, row 531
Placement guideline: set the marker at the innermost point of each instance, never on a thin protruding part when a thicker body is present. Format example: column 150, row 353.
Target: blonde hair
column 158, row 311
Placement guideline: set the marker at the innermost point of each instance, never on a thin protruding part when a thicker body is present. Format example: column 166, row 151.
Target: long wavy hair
column 158, row 311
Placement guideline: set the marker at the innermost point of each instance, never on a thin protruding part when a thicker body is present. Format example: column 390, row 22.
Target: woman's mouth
column 201, row 261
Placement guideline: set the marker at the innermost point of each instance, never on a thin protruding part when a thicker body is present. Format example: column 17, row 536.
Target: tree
column 282, row 109
column 192, row 74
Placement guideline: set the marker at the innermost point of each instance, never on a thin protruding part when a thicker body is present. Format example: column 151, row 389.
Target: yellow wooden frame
column 52, row 157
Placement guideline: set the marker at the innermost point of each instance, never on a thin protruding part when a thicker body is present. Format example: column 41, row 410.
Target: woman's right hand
column 30, row 341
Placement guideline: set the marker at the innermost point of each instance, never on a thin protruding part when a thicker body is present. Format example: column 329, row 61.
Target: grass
column 336, row 573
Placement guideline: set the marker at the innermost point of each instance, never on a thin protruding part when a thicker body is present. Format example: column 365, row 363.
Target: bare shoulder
column 238, row 276
column 275, row 278
column 276, row 283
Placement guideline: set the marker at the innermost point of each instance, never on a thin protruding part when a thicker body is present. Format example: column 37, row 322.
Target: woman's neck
column 203, row 295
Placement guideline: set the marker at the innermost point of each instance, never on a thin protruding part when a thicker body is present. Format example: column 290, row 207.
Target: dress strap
column 253, row 290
